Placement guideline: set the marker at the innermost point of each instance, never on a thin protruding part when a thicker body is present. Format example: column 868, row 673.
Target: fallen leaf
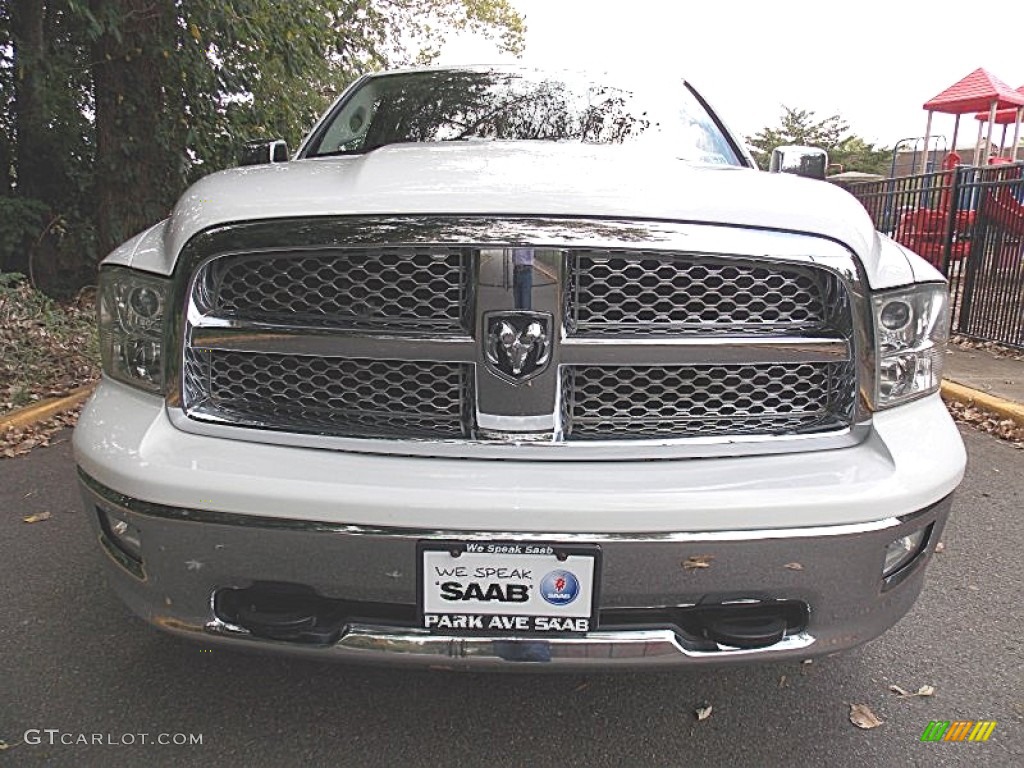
column 940, row 547
column 782, row 682
column 703, row 712
column 38, row 517
column 863, row 717
column 697, row 561
column 793, row 566
column 924, row 690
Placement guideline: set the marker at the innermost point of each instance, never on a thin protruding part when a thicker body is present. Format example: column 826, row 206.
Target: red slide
column 1005, row 210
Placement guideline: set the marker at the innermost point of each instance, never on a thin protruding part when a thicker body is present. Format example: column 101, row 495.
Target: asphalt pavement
column 76, row 666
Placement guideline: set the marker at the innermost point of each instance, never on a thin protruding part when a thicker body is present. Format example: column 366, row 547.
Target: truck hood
column 519, row 178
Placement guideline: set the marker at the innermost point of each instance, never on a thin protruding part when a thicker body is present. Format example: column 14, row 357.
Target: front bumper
column 219, row 514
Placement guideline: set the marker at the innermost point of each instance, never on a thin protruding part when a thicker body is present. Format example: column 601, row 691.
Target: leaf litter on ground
column 19, row 441
column 49, row 348
column 697, row 562
column 862, row 716
column 924, row 690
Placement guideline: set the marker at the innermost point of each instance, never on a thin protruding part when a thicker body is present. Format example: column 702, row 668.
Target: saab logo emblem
column 559, row 587
column 517, row 343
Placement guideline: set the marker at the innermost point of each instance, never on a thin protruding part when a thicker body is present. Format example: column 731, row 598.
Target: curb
column 31, row 414
column 1008, row 409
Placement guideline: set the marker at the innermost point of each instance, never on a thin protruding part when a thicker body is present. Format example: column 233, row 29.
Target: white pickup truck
column 522, row 369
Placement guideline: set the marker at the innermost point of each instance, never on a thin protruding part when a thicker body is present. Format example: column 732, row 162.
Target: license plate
column 508, row 587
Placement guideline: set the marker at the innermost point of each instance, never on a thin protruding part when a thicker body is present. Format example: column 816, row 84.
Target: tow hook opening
column 750, row 625
column 741, row 624
column 291, row 612
column 297, row 613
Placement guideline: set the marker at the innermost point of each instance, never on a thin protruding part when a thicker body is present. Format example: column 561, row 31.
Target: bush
column 21, row 224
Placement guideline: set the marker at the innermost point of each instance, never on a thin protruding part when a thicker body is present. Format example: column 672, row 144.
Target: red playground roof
column 1003, row 116
column 974, row 93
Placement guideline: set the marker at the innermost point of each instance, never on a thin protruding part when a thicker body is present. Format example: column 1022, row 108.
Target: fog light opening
column 121, row 534
column 903, row 551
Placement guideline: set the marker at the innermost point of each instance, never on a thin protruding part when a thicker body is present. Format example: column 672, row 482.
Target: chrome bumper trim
column 151, row 509
column 606, row 648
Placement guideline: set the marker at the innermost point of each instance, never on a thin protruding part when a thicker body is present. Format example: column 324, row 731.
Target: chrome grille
column 639, row 402
column 415, row 289
column 644, row 292
column 337, row 396
column 654, row 340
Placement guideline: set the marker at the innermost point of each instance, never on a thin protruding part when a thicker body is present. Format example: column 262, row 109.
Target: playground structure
column 966, row 219
column 939, row 228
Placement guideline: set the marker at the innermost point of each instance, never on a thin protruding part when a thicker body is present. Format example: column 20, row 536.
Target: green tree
column 45, row 150
column 801, row 126
column 178, row 85
column 855, row 154
column 110, row 107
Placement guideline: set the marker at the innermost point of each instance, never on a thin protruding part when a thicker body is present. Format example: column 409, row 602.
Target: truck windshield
column 519, row 105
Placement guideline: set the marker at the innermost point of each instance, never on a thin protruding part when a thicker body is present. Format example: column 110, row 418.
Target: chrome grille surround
column 551, row 417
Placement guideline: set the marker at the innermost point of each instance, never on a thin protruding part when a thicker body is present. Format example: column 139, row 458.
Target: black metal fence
column 968, row 222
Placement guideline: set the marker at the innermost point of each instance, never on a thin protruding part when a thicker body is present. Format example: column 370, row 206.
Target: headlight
column 911, row 329
column 132, row 309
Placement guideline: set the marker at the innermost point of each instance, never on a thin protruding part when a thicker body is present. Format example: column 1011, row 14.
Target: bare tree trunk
column 139, row 118
column 6, row 179
column 28, row 41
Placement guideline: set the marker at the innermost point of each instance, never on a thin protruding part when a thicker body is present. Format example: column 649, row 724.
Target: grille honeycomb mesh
column 623, row 292
column 331, row 395
column 400, row 288
column 706, row 400
column 415, row 291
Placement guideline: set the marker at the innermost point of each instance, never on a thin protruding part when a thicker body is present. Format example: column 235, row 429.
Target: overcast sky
column 873, row 62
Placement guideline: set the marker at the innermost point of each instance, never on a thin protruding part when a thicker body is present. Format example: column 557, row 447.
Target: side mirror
column 263, row 151
column 810, row 162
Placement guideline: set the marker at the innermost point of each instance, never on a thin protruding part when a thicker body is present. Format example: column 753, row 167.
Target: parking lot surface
column 74, row 662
